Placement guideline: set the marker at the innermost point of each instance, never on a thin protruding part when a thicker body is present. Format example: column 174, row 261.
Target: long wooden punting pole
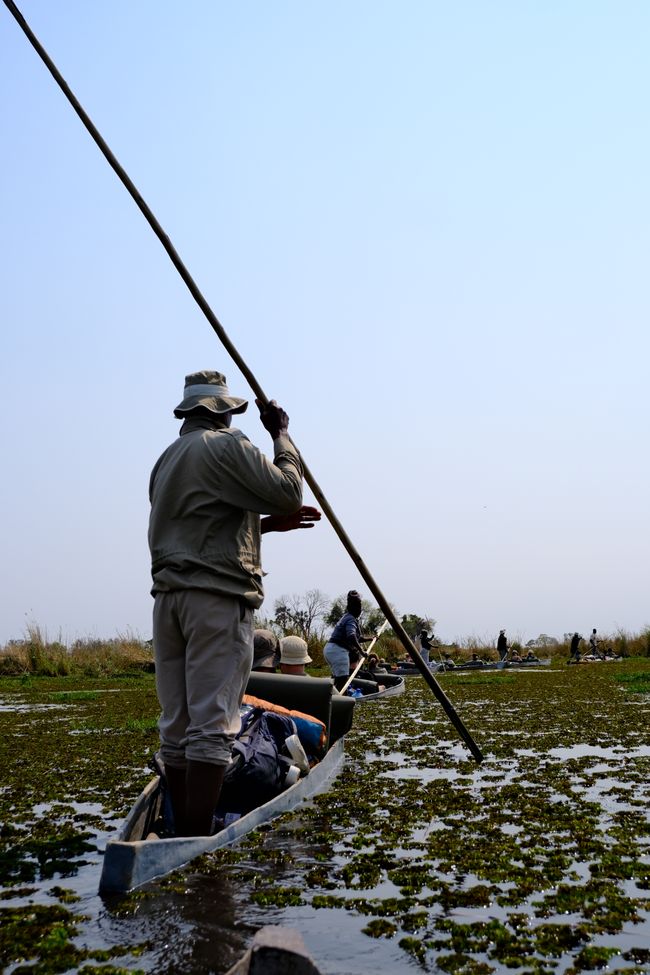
column 397, row 627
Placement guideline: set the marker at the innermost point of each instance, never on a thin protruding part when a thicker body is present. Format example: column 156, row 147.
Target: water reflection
column 196, row 926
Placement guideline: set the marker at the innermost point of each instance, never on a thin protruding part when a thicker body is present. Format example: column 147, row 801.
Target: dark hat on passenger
column 265, row 648
column 209, row 390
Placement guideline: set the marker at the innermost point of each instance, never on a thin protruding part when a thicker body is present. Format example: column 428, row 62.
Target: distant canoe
column 389, row 685
column 470, row 665
column 492, row 665
column 598, row 660
column 523, row 663
column 408, row 670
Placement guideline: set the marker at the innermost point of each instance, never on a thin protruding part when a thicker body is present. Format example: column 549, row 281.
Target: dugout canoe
column 131, row 860
column 410, row 670
column 493, row 665
column 276, row 951
column 598, row 660
column 517, row 664
column 376, row 687
column 470, row 665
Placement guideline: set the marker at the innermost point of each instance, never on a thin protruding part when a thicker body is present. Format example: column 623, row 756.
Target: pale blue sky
column 425, row 227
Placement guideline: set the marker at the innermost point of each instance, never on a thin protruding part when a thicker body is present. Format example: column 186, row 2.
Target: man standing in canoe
column 502, row 645
column 343, row 649
column 593, row 644
column 576, row 640
column 427, row 644
column 207, row 492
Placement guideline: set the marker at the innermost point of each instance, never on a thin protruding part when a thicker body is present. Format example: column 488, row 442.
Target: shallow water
column 416, row 859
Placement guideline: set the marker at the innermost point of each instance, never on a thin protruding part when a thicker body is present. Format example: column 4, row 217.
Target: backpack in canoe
column 260, row 761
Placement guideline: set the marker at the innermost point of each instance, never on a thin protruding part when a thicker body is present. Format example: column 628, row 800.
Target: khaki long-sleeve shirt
column 207, row 492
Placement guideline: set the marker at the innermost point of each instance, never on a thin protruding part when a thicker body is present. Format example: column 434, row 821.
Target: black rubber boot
column 176, row 785
column 202, row 789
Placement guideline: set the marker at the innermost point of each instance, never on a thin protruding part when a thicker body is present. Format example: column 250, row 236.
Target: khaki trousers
column 203, row 646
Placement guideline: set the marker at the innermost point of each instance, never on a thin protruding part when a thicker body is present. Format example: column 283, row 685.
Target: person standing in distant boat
column 207, row 492
column 593, row 643
column 502, row 645
column 576, row 640
column 427, row 644
column 343, row 649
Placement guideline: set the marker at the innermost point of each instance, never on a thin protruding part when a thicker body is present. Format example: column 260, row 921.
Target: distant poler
column 576, row 640
column 502, row 645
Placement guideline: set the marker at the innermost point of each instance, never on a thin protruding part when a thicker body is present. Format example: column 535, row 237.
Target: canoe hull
column 276, row 951
column 394, row 689
column 130, row 862
column 493, row 665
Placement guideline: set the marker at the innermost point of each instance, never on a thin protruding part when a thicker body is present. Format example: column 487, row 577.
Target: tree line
column 312, row 615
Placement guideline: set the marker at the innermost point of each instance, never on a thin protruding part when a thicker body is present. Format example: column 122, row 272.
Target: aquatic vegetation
column 380, row 929
column 66, row 697
column 39, row 933
column 61, row 792
column 141, row 724
column 637, row 682
column 534, row 861
column 519, row 832
column 278, row 896
column 39, row 940
column 64, row 895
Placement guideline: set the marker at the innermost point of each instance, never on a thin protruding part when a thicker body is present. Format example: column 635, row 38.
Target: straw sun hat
column 293, row 650
column 210, row 390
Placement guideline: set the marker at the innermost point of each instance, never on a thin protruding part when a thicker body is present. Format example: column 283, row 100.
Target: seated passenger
column 266, row 651
column 476, row 660
column 375, row 665
column 294, row 654
column 448, row 663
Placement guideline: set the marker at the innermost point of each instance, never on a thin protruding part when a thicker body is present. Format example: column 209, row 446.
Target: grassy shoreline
column 35, row 655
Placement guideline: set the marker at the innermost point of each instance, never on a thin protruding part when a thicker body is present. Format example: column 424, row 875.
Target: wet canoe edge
column 129, row 863
column 276, row 951
column 394, row 689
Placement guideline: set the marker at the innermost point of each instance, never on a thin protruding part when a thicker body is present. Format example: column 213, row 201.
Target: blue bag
column 259, row 762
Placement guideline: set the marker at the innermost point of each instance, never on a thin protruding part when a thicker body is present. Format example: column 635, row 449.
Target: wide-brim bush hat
column 210, row 390
column 294, row 650
column 265, row 648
